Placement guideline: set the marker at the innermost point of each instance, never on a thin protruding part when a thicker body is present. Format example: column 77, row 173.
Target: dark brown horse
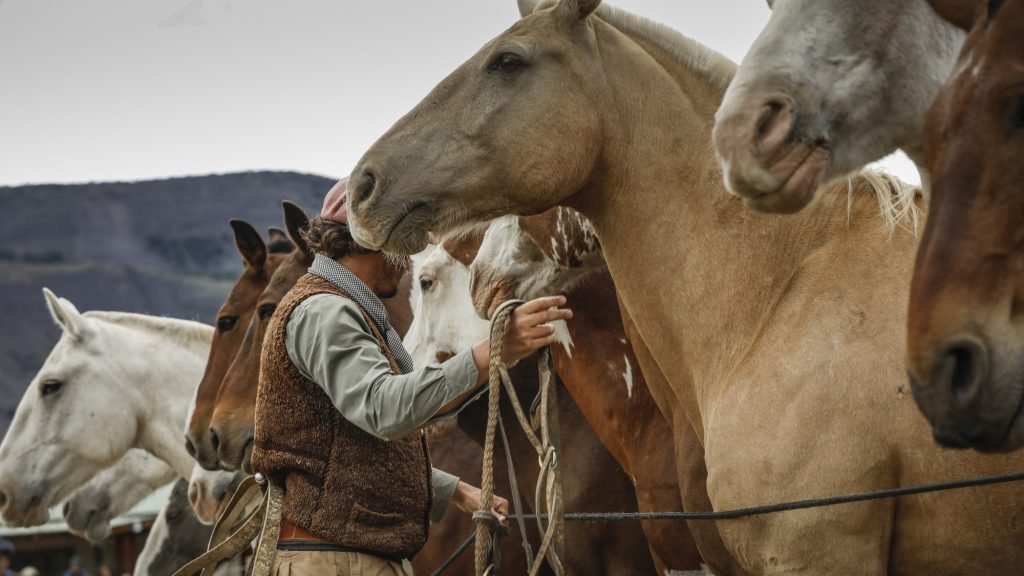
column 231, row 425
column 593, row 480
column 558, row 252
column 260, row 261
column 965, row 334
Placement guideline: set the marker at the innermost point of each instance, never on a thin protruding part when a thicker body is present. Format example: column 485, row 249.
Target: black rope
column 797, row 505
column 455, row 555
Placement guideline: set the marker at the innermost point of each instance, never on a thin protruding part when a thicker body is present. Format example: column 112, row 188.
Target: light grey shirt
column 329, row 342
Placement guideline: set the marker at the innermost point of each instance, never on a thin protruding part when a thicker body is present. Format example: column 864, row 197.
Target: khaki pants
column 290, row 563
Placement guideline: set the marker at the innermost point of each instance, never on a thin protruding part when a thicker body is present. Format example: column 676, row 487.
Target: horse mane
column 186, row 330
column 718, row 69
column 896, row 199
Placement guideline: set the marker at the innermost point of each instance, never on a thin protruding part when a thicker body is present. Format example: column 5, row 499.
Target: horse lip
column 398, row 221
column 781, row 198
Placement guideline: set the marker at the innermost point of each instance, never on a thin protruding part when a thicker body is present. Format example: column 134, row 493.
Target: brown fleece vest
column 341, row 483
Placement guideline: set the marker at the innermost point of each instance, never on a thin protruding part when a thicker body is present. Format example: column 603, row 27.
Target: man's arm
column 330, row 343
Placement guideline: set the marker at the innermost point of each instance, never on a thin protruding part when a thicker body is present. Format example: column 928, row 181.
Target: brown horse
column 965, row 334
column 781, row 339
column 231, row 425
column 593, row 481
column 260, row 262
column 558, row 252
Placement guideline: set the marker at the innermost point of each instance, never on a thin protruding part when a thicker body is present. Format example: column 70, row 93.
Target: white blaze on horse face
column 113, row 381
column 628, row 376
column 444, row 321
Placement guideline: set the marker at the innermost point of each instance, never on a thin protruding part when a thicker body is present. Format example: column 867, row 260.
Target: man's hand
column 531, row 329
column 467, row 499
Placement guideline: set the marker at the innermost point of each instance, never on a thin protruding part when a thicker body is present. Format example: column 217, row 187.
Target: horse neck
column 697, row 271
column 170, row 356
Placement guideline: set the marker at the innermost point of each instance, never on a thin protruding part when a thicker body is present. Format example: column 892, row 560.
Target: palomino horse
column 965, row 332
column 558, row 252
column 231, row 425
column 114, row 492
column 114, row 381
column 234, row 315
column 780, row 338
column 592, row 480
column 827, row 87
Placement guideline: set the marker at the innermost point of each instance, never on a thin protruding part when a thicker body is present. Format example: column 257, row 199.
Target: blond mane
column 185, row 330
column 718, row 69
column 896, row 199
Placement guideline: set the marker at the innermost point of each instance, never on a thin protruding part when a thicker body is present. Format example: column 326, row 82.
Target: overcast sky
column 95, row 90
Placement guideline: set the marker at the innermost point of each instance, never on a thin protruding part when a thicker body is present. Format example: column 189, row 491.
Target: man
column 339, row 410
column 6, row 557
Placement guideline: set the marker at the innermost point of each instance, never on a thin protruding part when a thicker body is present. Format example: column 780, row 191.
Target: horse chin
column 98, row 530
column 785, row 187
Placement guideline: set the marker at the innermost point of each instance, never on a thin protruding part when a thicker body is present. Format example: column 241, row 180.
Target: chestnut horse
column 780, row 338
column 965, row 334
column 231, row 424
column 558, row 252
column 260, row 263
column 592, row 480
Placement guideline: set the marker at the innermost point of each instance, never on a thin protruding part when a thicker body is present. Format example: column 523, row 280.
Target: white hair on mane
column 693, row 54
column 184, row 329
column 896, row 198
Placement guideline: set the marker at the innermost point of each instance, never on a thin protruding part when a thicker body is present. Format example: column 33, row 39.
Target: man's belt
column 291, row 531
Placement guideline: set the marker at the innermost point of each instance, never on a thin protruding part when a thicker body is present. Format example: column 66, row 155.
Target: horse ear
column 295, row 220
column 993, row 8
column 275, row 234
column 578, row 10
column 65, row 314
column 526, row 7
column 249, row 245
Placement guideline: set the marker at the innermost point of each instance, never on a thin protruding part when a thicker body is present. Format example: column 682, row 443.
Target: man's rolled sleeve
column 330, row 343
column 444, row 485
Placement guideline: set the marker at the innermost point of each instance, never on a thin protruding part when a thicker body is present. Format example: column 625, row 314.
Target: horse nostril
column 66, row 509
column 190, row 447
column 3, row 500
column 364, row 187
column 214, row 440
column 963, row 369
column 774, row 124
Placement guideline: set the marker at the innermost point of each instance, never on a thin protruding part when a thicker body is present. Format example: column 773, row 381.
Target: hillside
column 156, row 247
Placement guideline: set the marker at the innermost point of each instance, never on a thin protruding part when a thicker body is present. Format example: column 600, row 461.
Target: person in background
column 104, row 570
column 28, row 571
column 6, row 556
column 75, row 567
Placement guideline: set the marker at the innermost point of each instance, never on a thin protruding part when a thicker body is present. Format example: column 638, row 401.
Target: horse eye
column 506, row 63
column 267, row 310
column 51, row 387
column 425, row 284
column 226, row 323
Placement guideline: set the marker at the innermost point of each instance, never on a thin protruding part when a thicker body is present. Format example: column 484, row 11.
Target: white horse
column 828, row 87
column 114, row 381
column 444, row 322
column 114, row 492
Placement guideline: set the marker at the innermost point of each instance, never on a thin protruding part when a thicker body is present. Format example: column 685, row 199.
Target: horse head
column 260, row 260
column 491, row 138
column 444, row 322
column 52, row 447
column 965, row 335
column 827, row 87
column 231, row 423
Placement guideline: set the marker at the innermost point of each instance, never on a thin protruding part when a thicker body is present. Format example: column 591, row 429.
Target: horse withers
column 965, row 334
column 828, row 87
